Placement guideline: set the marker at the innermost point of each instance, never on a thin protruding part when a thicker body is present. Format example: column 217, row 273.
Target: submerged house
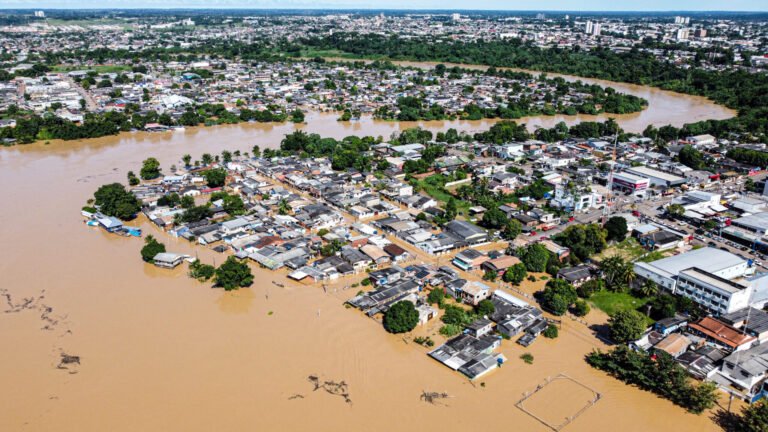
column 167, row 260
column 472, row 356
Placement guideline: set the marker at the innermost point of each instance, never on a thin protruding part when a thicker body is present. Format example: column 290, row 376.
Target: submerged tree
column 401, row 317
column 233, row 274
column 151, row 248
column 150, row 169
column 626, row 326
column 114, row 200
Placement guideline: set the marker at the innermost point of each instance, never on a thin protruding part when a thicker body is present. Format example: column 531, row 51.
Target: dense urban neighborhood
column 475, row 245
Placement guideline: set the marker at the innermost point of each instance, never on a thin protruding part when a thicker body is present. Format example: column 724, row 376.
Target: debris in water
column 68, row 362
column 433, row 397
column 335, row 388
column 296, row 396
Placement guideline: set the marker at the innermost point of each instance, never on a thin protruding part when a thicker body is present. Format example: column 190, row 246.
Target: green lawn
column 631, row 250
column 438, row 192
column 612, row 302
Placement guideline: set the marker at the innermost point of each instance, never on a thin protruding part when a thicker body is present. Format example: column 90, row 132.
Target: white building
column 657, row 178
column 717, row 280
column 631, row 183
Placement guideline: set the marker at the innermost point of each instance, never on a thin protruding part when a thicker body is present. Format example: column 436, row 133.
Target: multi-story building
column 719, row 281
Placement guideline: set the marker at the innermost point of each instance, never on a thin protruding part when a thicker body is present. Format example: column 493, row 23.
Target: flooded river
column 161, row 352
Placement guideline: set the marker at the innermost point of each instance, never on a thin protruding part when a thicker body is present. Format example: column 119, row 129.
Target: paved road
column 90, row 104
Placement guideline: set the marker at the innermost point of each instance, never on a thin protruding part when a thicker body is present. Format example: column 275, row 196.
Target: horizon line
column 188, row 8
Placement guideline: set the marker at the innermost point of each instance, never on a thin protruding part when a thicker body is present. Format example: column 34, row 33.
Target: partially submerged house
column 472, row 356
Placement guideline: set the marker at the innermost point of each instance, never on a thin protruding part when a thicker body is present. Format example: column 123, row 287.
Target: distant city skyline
column 511, row 5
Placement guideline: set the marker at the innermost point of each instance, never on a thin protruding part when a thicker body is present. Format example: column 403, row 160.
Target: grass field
column 102, row 69
column 631, row 250
column 438, row 192
column 612, row 302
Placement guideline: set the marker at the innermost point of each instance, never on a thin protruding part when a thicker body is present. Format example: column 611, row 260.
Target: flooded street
column 162, row 352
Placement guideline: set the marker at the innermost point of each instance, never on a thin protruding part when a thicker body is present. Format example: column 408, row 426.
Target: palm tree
column 618, row 273
column 628, row 274
column 283, row 208
column 648, row 288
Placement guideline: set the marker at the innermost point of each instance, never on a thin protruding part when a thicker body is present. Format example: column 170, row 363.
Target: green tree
column 490, row 275
column 226, row 156
column 691, row 158
column 150, row 169
column 648, row 288
column 456, row 315
column 132, row 179
column 626, row 326
column 401, row 317
column 590, row 287
column 558, row 296
column 485, row 307
column 200, row 271
column 186, row 159
column 754, row 417
column 283, row 207
column 436, row 296
column 233, row 274
column 580, row 308
column 233, row 205
column 331, row 248
column 675, row 210
column 114, row 200
column 616, row 228
column 450, row 330
column 451, row 209
column 187, row 202
column 512, row 229
column 617, row 273
column 494, row 219
column 151, row 248
column 660, row 374
column 297, row 116
column 170, row 200
column 551, row 332
column 515, row 274
column 534, row 257
column 216, row 177
column 583, row 240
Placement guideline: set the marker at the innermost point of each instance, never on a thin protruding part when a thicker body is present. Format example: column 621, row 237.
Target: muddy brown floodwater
column 161, row 352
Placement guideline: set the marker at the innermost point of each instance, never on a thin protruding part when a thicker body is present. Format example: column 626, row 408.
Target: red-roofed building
column 721, row 334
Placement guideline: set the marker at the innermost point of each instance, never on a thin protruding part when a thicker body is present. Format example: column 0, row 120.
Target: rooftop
column 712, row 259
column 713, row 280
column 721, row 332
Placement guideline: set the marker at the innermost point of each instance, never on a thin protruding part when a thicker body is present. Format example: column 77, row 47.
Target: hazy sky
column 594, row 5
